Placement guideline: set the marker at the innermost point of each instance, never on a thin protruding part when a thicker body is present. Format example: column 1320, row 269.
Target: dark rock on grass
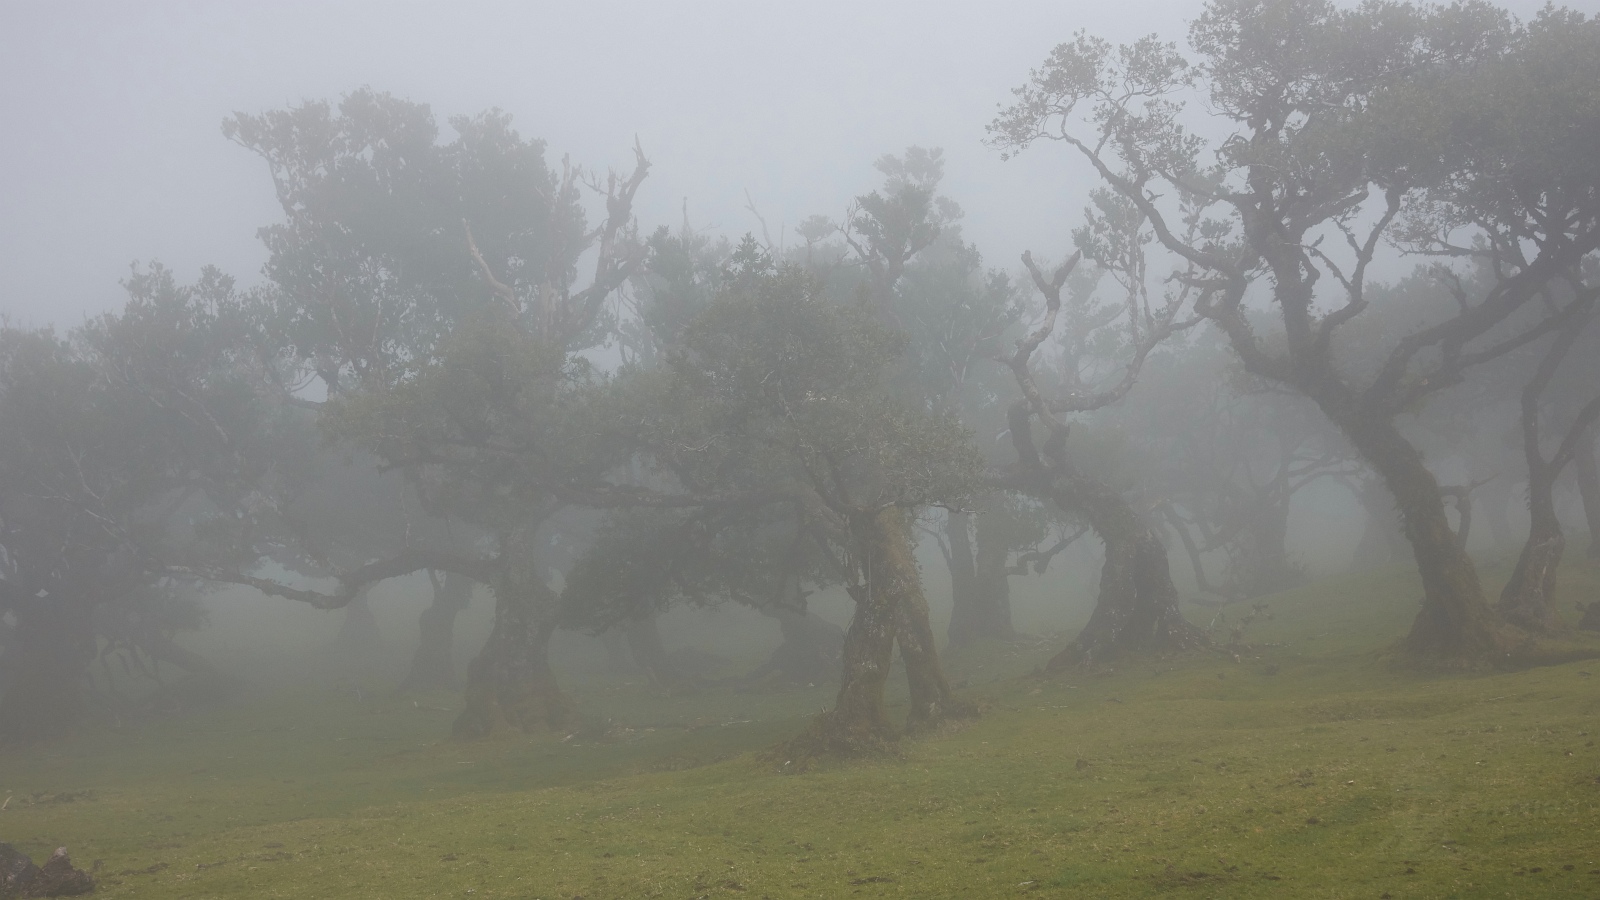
column 20, row 878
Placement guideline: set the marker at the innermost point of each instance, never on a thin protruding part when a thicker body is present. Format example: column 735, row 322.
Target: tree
column 1529, row 595
column 113, row 439
column 790, row 461
column 1104, row 348
column 433, row 290
column 1334, row 124
column 1230, row 454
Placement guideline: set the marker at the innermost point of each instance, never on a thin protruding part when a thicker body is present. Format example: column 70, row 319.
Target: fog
column 977, row 412
column 113, row 110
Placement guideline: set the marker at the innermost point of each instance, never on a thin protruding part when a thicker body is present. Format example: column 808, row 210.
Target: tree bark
column 433, row 666
column 1588, row 475
column 1137, row 606
column 1455, row 625
column 510, row 682
column 932, row 699
column 1528, row 599
column 859, row 721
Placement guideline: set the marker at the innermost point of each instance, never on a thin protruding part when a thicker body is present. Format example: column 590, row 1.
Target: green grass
column 1306, row 768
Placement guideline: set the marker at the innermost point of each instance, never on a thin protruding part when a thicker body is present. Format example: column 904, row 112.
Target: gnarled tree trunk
column 1455, row 625
column 859, row 721
column 1137, row 606
column 433, row 666
column 1528, row 598
column 932, row 699
column 510, row 681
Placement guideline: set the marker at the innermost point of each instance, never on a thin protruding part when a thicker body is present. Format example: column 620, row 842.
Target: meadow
column 1294, row 760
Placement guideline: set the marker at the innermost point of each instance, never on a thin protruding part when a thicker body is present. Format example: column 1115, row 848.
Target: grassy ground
column 1304, row 768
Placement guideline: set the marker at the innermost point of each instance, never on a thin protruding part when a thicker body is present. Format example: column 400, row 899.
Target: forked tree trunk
column 859, row 721
column 1137, row 607
column 1588, row 475
column 41, row 683
column 433, row 666
column 510, row 682
column 1455, row 625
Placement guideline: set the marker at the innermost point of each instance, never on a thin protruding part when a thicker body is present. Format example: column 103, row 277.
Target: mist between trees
column 470, row 360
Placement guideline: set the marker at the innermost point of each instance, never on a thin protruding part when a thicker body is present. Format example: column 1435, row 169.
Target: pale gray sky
column 112, row 150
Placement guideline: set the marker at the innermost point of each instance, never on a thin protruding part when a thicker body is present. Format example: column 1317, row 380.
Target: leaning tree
column 1328, row 130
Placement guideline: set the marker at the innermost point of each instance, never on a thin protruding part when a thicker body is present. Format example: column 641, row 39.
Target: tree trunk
column 510, row 681
column 981, row 597
column 1528, row 599
column 1262, row 565
column 1495, row 496
column 42, row 671
column 993, row 587
column 1455, row 625
column 1588, row 475
column 433, row 666
column 964, row 613
column 859, row 721
column 811, row 650
column 358, row 638
column 1137, row 608
column 1381, row 534
column 932, row 699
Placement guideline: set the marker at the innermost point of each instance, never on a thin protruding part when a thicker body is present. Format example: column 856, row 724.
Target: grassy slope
column 1304, row 769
